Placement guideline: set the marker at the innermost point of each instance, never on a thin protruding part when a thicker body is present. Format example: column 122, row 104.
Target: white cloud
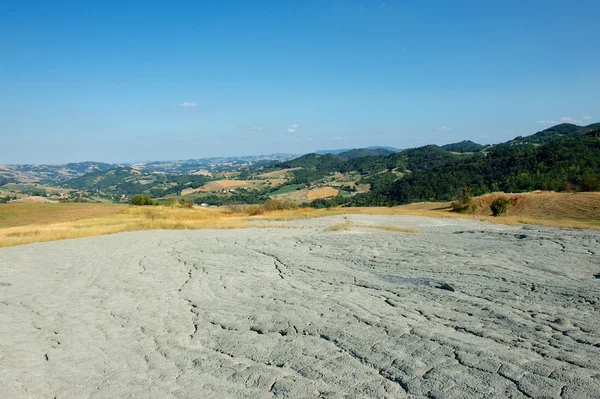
column 586, row 117
column 443, row 128
column 188, row 105
column 568, row 119
column 257, row 128
column 309, row 139
column 337, row 138
column 293, row 128
column 564, row 119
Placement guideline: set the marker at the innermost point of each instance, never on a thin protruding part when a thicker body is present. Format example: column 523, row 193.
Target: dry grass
column 346, row 225
column 28, row 223
column 391, row 227
column 128, row 219
column 339, row 226
column 61, row 221
column 565, row 210
column 33, row 200
column 273, row 226
column 221, row 184
column 545, row 205
column 15, row 214
column 299, row 214
column 322, row 192
column 277, row 173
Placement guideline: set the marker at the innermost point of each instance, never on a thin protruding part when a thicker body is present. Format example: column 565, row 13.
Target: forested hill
column 564, row 157
column 565, row 163
column 562, row 130
column 463, row 146
column 364, row 152
column 128, row 181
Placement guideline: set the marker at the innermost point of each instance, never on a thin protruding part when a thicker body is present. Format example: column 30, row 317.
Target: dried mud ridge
column 463, row 309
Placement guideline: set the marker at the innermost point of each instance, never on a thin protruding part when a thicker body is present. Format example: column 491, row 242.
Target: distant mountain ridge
column 342, row 150
column 51, row 173
column 364, row 152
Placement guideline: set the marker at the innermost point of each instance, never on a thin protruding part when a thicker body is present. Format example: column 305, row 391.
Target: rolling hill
column 50, row 174
column 562, row 158
column 364, row 152
column 464, row 146
column 554, row 132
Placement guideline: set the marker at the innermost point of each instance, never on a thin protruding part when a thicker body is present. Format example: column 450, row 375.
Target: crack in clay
column 383, row 373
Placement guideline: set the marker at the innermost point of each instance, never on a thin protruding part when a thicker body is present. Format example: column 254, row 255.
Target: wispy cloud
column 257, row 128
column 586, row 117
column 188, row 105
column 444, row 128
column 568, row 119
column 337, row 138
column 564, row 119
column 293, row 128
column 309, row 138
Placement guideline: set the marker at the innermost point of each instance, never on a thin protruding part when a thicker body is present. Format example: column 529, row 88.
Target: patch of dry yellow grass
column 129, row 219
column 80, row 222
column 15, row 214
column 346, row 225
column 299, row 214
column 339, row 226
column 391, row 227
column 277, row 173
column 322, row 192
column 563, row 210
column 221, row 184
column 273, row 226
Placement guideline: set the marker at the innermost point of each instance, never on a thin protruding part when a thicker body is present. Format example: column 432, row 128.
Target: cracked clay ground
column 299, row 312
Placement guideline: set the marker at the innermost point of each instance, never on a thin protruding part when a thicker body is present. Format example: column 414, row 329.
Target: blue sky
column 126, row 81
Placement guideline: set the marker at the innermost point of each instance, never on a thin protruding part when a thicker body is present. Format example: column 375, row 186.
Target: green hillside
column 565, row 163
column 364, row 152
column 127, row 180
column 464, row 146
column 554, row 132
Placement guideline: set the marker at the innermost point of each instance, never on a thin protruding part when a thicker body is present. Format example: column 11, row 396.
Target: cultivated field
column 223, row 184
column 277, row 173
column 322, row 192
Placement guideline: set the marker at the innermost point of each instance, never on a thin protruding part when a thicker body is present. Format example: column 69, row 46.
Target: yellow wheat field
column 322, row 192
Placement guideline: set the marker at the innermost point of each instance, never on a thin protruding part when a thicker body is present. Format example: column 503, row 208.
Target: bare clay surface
column 298, row 312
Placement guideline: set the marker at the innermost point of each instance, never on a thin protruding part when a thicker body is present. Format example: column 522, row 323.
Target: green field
column 286, row 189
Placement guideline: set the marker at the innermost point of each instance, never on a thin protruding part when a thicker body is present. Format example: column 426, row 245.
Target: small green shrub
column 141, row 199
column 464, row 196
column 186, row 202
column 499, row 206
column 464, row 200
